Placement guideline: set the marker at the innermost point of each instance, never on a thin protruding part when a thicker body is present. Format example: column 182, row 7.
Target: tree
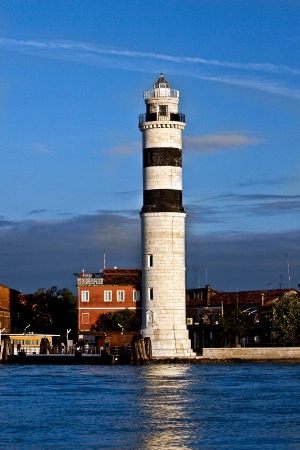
column 286, row 319
column 49, row 311
column 235, row 324
column 128, row 319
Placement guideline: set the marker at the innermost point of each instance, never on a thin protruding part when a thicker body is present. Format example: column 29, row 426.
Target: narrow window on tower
column 150, row 159
column 150, row 260
column 151, row 293
column 162, row 110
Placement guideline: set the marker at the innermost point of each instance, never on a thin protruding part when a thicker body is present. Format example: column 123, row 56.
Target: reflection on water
column 164, row 407
column 207, row 406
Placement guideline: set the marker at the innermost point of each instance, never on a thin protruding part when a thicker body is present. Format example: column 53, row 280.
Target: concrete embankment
column 210, row 355
column 252, row 353
column 227, row 355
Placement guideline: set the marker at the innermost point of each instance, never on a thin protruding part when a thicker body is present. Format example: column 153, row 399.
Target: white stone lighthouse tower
column 163, row 224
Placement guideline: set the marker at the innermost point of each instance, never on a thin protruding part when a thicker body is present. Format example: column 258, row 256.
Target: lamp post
column 284, row 330
column 202, row 335
column 26, row 328
column 122, row 331
column 67, row 335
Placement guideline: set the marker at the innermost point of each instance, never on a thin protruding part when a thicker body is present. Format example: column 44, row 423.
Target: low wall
column 249, row 353
column 116, row 338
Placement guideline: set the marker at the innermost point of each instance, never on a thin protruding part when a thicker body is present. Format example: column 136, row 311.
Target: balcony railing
column 161, row 92
column 152, row 117
column 89, row 281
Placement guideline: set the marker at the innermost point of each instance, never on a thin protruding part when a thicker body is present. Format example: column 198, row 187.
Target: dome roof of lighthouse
column 162, row 82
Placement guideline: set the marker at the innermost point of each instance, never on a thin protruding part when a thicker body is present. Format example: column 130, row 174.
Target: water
column 210, row 406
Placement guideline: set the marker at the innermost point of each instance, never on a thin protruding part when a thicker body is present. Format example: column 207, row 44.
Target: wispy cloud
column 255, row 197
column 282, row 80
column 40, row 148
column 215, row 142
column 130, row 148
column 237, row 211
column 270, row 182
column 260, row 84
column 21, row 45
column 275, row 208
column 37, row 212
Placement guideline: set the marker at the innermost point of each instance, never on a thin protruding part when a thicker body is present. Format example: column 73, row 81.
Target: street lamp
column 26, row 328
column 202, row 334
column 122, row 331
column 68, row 331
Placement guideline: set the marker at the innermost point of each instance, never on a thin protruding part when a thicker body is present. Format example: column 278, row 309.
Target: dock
column 65, row 359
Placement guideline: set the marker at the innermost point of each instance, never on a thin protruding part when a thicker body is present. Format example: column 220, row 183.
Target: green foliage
column 48, row 311
column 235, row 324
column 128, row 319
column 286, row 320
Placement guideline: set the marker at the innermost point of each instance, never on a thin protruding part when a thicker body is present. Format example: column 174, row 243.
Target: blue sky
column 71, row 89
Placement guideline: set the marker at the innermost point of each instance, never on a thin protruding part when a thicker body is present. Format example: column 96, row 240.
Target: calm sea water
column 211, row 406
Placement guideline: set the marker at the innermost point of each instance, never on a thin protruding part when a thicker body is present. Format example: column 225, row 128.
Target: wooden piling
column 139, row 353
column 5, row 348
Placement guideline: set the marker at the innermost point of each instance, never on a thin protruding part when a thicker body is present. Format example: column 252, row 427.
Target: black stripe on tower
column 163, row 200
column 162, row 156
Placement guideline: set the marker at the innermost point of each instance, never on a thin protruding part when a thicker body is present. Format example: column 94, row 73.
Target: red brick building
column 109, row 290
column 9, row 300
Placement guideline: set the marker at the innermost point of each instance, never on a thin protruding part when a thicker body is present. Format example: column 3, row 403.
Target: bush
column 110, row 321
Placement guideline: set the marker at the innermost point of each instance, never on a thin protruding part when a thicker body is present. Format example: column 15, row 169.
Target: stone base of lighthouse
column 170, row 343
column 164, row 305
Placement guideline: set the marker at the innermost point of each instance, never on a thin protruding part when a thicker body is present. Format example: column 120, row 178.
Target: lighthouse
column 163, row 224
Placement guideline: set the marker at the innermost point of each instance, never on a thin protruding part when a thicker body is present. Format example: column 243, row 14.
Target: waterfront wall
column 257, row 353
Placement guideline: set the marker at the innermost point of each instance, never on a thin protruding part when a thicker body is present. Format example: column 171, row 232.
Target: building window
column 136, row 296
column 150, row 260
column 120, row 296
column 85, row 296
column 85, row 318
column 107, row 296
column 150, row 293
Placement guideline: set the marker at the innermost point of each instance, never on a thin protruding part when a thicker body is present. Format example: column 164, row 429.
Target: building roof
column 122, row 277
column 162, row 80
column 211, row 297
column 9, row 288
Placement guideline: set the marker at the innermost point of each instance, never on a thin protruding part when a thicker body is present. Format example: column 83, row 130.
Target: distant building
column 209, row 304
column 9, row 300
column 106, row 291
column 205, row 307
